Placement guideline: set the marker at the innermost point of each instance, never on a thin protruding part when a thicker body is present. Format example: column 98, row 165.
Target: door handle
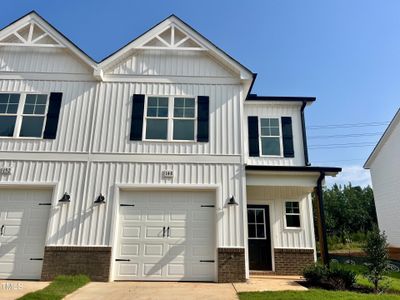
column 168, row 231
column 163, row 231
column 2, row 229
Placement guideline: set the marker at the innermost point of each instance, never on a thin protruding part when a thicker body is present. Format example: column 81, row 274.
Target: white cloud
column 355, row 174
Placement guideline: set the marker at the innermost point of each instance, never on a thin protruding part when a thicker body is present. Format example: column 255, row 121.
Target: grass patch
column 391, row 281
column 60, row 287
column 314, row 294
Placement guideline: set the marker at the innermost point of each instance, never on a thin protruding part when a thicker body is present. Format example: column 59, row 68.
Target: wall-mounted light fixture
column 65, row 198
column 100, row 199
column 232, row 201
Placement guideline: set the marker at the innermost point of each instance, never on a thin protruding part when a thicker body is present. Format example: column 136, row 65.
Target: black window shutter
column 254, row 148
column 287, row 136
column 137, row 117
column 203, row 116
column 53, row 114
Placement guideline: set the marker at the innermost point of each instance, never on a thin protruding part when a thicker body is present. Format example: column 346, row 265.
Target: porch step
column 261, row 273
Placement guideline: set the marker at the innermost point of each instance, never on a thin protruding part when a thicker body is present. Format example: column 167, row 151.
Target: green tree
column 377, row 255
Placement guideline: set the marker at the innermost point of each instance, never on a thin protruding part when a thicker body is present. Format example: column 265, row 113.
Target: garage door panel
column 155, row 250
column 202, row 269
column 25, row 226
column 166, row 255
column 155, row 215
column 127, row 249
column 154, row 232
column 128, row 269
column 178, row 216
column 132, row 214
column 131, row 231
column 152, row 270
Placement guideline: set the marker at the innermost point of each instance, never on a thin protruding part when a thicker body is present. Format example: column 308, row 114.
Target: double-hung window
column 170, row 118
column 184, row 119
column 22, row 115
column 292, row 214
column 270, row 137
column 8, row 113
column 157, row 118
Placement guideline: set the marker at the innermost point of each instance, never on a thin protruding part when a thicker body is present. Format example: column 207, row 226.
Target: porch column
column 323, row 242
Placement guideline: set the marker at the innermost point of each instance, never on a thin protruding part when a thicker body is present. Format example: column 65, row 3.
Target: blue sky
column 346, row 53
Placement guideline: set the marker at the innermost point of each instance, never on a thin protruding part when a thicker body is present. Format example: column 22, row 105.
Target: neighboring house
column 154, row 164
column 384, row 165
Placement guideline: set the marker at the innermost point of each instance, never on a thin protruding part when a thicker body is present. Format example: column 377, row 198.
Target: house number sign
column 5, row 171
column 168, row 173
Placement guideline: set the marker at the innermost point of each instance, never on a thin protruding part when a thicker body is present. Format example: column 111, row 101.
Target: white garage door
column 166, row 236
column 23, row 222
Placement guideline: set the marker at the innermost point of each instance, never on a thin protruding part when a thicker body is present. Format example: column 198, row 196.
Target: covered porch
column 281, row 237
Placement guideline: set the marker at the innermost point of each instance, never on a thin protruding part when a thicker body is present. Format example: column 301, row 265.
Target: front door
column 259, row 237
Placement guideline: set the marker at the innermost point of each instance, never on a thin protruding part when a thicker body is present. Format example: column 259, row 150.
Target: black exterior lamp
column 65, row 198
column 100, row 199
column 232, row 201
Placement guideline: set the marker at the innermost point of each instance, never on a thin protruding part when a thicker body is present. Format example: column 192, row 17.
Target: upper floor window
column 170, row 118
column 22, row 115
column 270, row 136
column 292, row 214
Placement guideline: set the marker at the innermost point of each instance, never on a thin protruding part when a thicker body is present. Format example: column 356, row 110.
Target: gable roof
column 49, row 32
column 195, row 36
column 395, row 122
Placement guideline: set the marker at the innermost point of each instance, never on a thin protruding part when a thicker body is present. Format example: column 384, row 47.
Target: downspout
column 323, row 242
column 303, row 128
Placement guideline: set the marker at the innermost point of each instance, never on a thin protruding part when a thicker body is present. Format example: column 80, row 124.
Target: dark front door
column 259, row 237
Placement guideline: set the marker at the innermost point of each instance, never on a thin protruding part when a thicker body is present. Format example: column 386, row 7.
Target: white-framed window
column 270, row 137
column 22, row 114
column 256, row 223
column 292, row 214
column 170, row 118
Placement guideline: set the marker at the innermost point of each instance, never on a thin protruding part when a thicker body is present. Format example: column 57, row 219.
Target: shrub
column 377, row 257
column 340, row 278
column 336, row 277
column 314, row 273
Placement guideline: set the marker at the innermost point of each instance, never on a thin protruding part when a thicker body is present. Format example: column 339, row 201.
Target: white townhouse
column 384, row 165
column 156, row 163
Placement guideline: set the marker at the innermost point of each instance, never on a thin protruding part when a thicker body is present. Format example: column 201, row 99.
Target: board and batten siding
column 169, row 63
column 275, row 110
column 42, row 60
column 75, row 116
column 113, row 117
column 81, row 222
column 275, row 197
column 385, row 177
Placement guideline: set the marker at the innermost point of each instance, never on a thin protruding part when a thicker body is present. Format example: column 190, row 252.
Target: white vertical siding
column 75, row 116
column 41, row 60
column 170, row 63
column 83, row 223
column 276, row 197
column 386, row 182
column 113, row 117
column 269, row 110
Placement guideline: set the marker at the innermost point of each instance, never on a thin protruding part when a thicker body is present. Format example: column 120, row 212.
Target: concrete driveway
column 13, row 289
column 181, row 290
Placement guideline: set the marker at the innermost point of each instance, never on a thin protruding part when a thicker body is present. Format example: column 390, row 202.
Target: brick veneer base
column 292, row 261
column 231, row 265
column 394, row 253
column 70, row 260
